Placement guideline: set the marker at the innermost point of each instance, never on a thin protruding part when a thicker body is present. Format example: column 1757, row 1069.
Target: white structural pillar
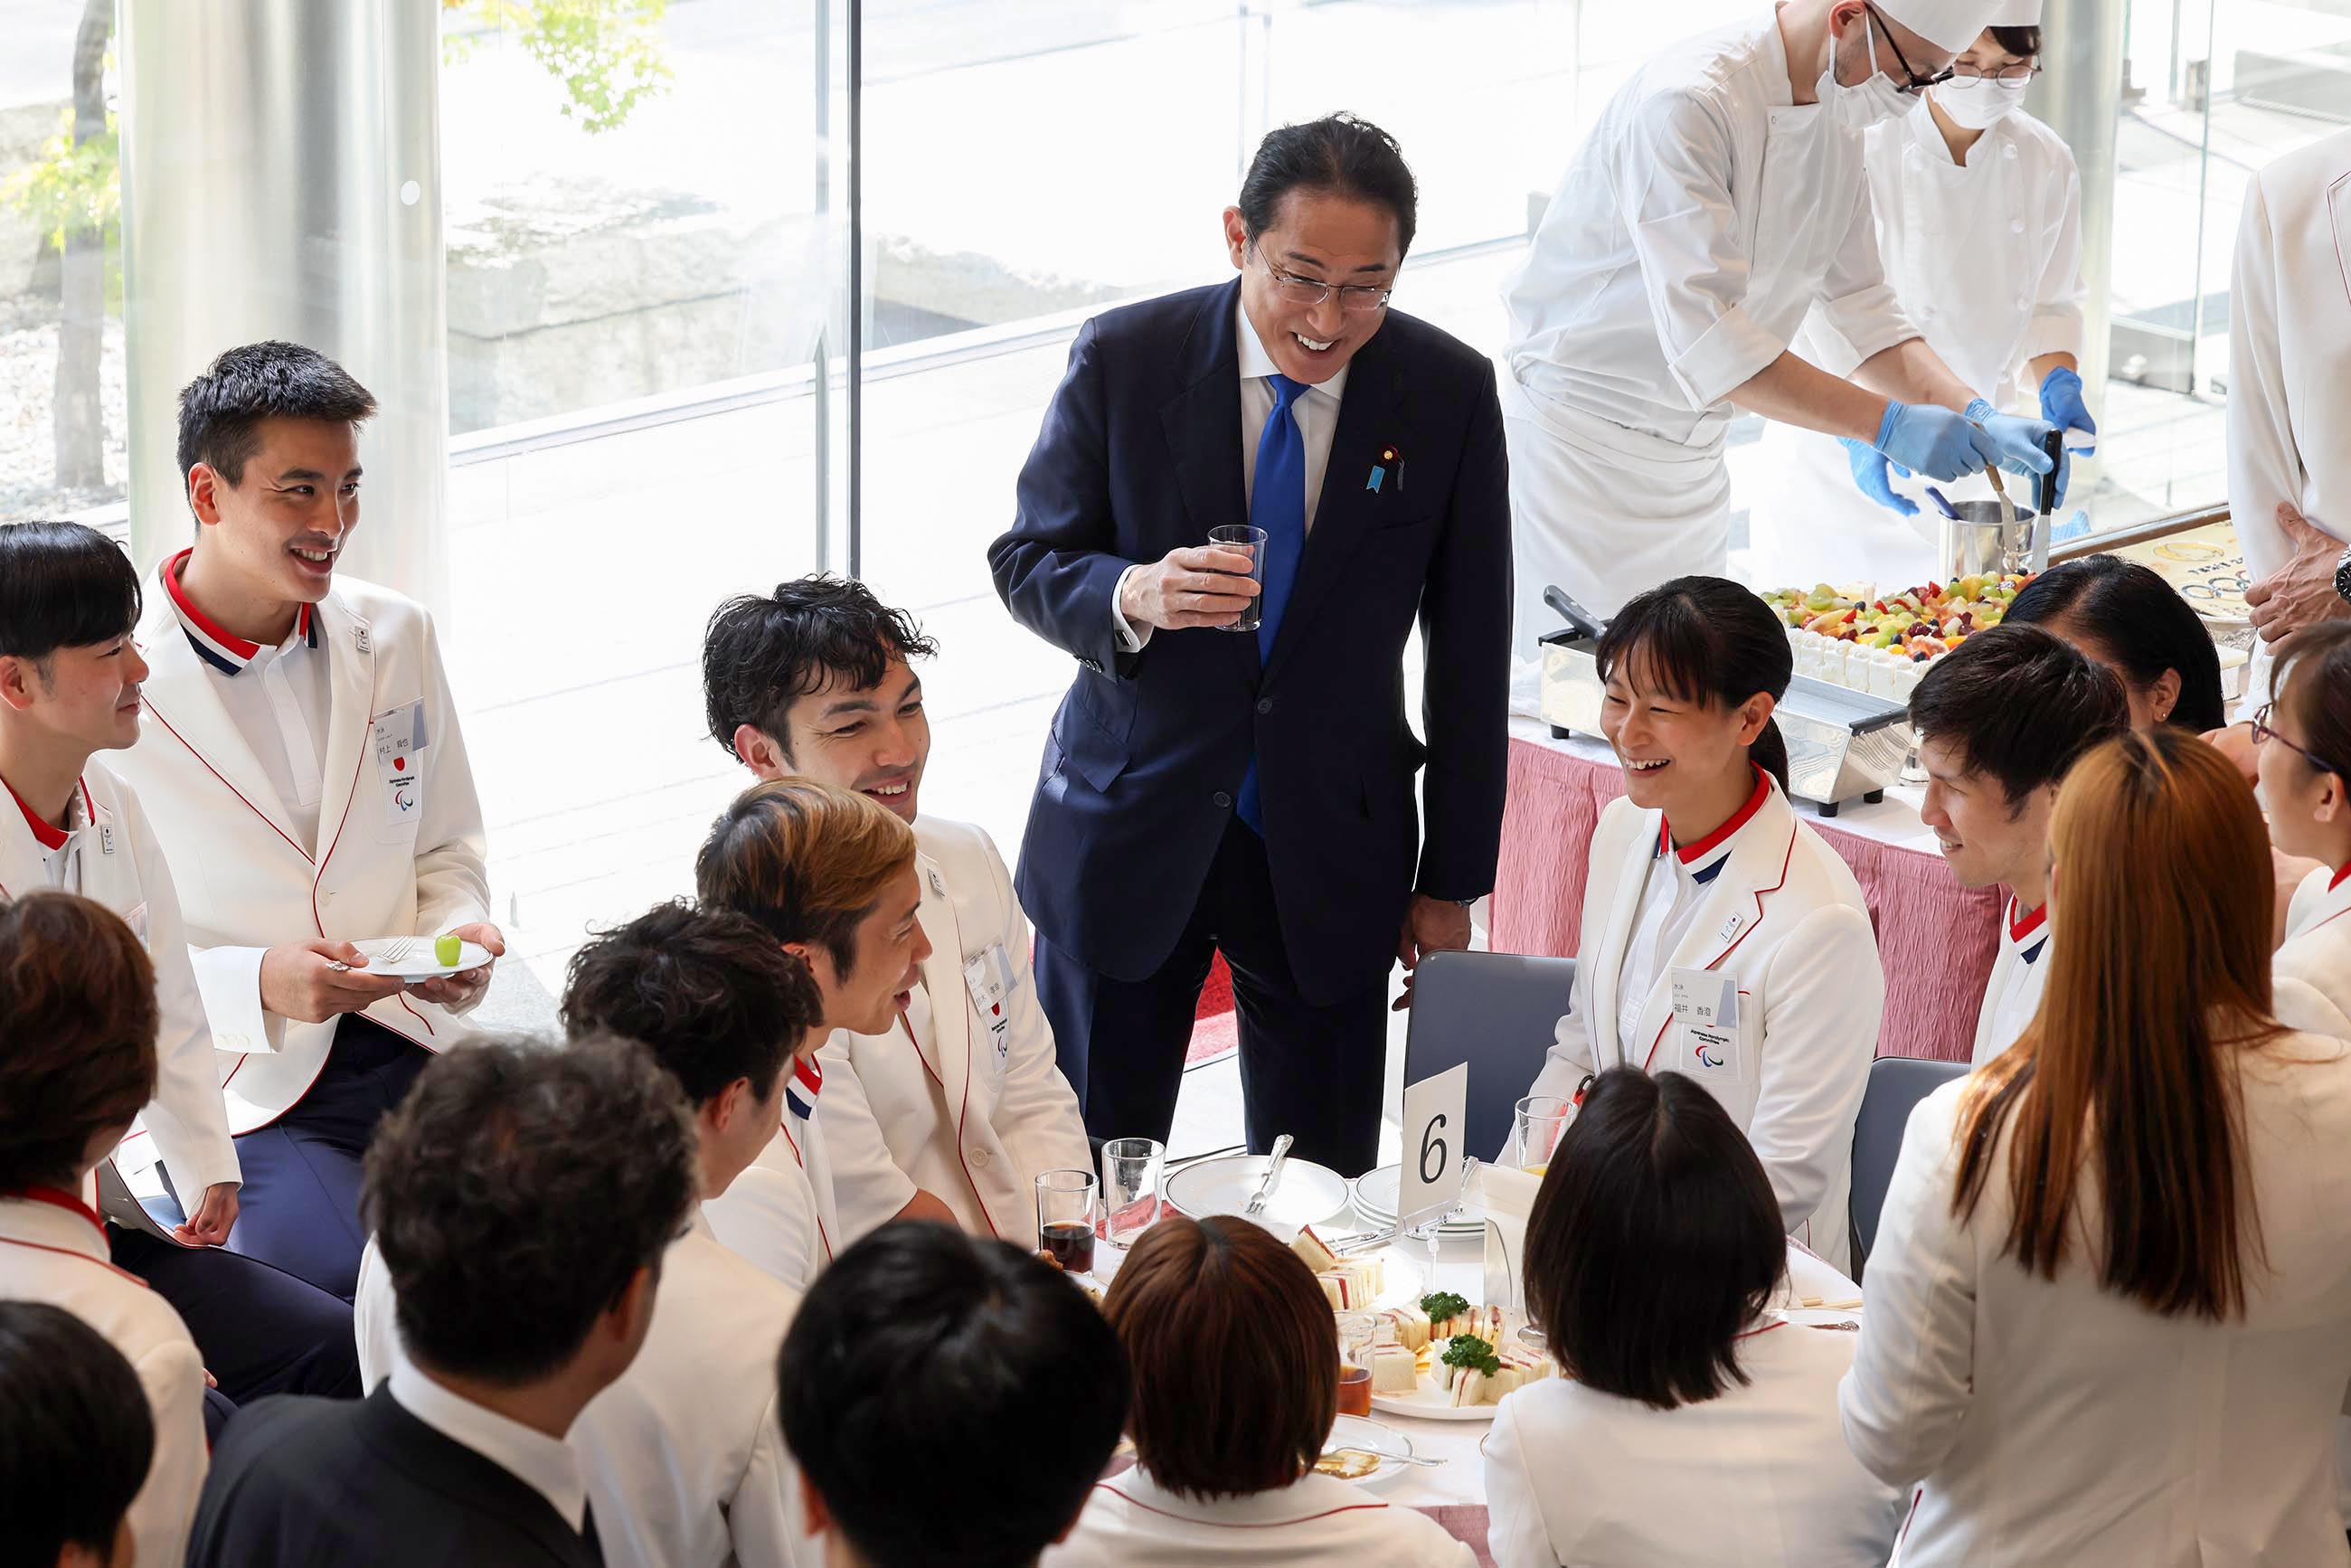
column 2078, row 94
column 281, row 178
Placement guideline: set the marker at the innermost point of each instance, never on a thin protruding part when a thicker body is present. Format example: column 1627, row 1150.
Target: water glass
column 1131, row 1171
column 1242, row 537
column 1067, row 1208
column 1357, row 1334
column 1535, row 1130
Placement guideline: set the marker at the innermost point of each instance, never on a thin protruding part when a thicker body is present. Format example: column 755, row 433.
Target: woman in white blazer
column 78, row 1013
column 1235, row 1382
column 2303, row 752
column 1722, row 937
column 1694, row 1424
column 2109, row 1320
column 832, row 876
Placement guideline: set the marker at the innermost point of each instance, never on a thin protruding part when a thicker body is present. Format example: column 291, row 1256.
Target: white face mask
column 1981, row 105
column 1864, row 104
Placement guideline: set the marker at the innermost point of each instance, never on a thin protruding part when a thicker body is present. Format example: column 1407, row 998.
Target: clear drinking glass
column 1242, row 537
column 1535, row 1130
column 1357, row 1332
column 1067, row 1207
column 1130, row 1170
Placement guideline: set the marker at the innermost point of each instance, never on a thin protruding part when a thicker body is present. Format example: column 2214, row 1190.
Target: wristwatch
column 2342, row 576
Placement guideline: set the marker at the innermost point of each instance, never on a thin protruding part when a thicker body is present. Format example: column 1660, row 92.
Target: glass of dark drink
column 1068, row 1205
column 1357, row 1332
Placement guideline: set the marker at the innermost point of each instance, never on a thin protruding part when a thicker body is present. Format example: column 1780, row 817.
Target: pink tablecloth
column 1936, row 938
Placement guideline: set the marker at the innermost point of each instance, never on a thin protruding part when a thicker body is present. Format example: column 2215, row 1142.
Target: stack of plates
column 1375, row 1200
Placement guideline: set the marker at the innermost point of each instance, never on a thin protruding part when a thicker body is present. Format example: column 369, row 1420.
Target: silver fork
column 398, row 953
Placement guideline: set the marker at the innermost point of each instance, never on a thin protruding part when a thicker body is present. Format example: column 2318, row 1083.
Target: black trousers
column 1315, row 1072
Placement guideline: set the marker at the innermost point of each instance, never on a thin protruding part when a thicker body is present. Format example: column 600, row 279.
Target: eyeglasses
column 1355, row 299
column 2263, row 734
column 2007, row 76
column 1917, row 84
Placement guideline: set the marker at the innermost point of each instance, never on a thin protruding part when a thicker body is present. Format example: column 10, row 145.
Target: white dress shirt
column 2020, row 973
column 276, row 697
column 1317, row 412
column 544, row 1464
column 1676, row 885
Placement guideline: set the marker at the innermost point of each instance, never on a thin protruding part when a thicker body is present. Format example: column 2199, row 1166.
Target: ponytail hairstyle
column 1707, row 639
column 2140, row 623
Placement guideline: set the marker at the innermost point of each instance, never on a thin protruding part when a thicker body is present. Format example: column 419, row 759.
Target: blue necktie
column 1277, row 505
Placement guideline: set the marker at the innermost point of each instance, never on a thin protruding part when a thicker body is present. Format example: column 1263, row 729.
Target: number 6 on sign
column 1433, row 1111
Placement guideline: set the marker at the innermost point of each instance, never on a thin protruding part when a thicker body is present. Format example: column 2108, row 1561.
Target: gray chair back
column 1497, row 1012
column 1897, row 1084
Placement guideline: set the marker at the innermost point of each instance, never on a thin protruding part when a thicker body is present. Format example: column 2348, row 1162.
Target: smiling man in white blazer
column 304, row 770
column 954, row 1111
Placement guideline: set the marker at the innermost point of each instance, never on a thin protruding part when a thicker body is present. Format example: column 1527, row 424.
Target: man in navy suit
column 1209, row 789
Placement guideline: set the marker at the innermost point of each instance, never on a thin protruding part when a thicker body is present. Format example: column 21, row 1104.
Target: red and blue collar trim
column 2021, row 930
column 56, row 1199
column 1707, row 857
column 214, row 644
column 802, row 1087
column 50, row 837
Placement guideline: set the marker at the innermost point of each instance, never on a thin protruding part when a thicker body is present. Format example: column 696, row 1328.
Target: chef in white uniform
column 2000, row 721
column 831, row 877
column 2289, row 421
column 1722, row 937
column 683, row 1455
column 955, row 1109
column 1980, row 229
column 1721, row 195
column 52, row 1247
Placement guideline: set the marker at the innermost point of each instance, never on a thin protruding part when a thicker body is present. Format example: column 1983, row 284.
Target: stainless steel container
column 1989, row 538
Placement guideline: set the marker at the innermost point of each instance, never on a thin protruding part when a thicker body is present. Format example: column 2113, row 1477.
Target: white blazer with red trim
column 1785, row 919
column 246, row 884
column 2020, row 973
column 53, row 1250
column 122, row 867
column 780, row 1214
column 1314, row 1523
column 971, row 1111
column 2317, row 947
column 1757, row 1476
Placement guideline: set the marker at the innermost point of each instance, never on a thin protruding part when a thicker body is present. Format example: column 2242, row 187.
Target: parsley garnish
column 1442, row 1305
column 1471, row 1353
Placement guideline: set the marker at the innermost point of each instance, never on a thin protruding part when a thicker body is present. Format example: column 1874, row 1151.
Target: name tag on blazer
column 397, row 743
column 1705, row 1018
column 990, row 980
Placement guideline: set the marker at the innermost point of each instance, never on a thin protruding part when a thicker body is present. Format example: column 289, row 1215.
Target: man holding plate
column 304, row 770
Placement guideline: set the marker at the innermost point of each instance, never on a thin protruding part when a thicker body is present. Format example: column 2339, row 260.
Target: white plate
column 1308, row 1194
column 1376, row 1199
column 1431, row 1402
column 1354, row 1432
column 415, row 957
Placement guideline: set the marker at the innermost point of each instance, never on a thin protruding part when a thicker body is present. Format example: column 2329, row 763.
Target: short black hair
column 1654, row 1242
column 951, row 1399
column 2131, row 612
column 2021, row 703
column 79, row 1439
column 518, row 1190
column 2022, row 42
column 1707, row 639
column 62, row 585
column 710, row 994
column 1339, row 155
column 761, row 652
column 222, row 409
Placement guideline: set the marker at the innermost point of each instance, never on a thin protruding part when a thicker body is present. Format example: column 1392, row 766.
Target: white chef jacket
column 1316, row 410
column 1705, row 214
column 1986, row 259
column 1785, row 920
column 546, row 1465
column 2052, row 1421
column 964, row 1098
column 683, row 1455
column 2290, row 351
column 1758, row 1474
column 53, row 1250
column 2019, row 972
column 1316, row 1520
column 109, row 855
column 782, row 1213
column 2317, row 947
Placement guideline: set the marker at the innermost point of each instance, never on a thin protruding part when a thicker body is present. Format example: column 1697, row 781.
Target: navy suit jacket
column 1140, row 453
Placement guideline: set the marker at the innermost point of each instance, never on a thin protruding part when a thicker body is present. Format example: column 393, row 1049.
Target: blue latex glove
column 2019, row 442
column 1931, row 440
column 2061, row 405
column 1869, row 466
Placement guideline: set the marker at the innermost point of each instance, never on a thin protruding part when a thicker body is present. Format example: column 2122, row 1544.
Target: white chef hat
column 1951, row 25
column 2015, row 14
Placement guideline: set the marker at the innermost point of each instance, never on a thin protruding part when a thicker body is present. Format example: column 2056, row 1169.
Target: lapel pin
column 1380, row 470
column 938, row 883
column 359, row 636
